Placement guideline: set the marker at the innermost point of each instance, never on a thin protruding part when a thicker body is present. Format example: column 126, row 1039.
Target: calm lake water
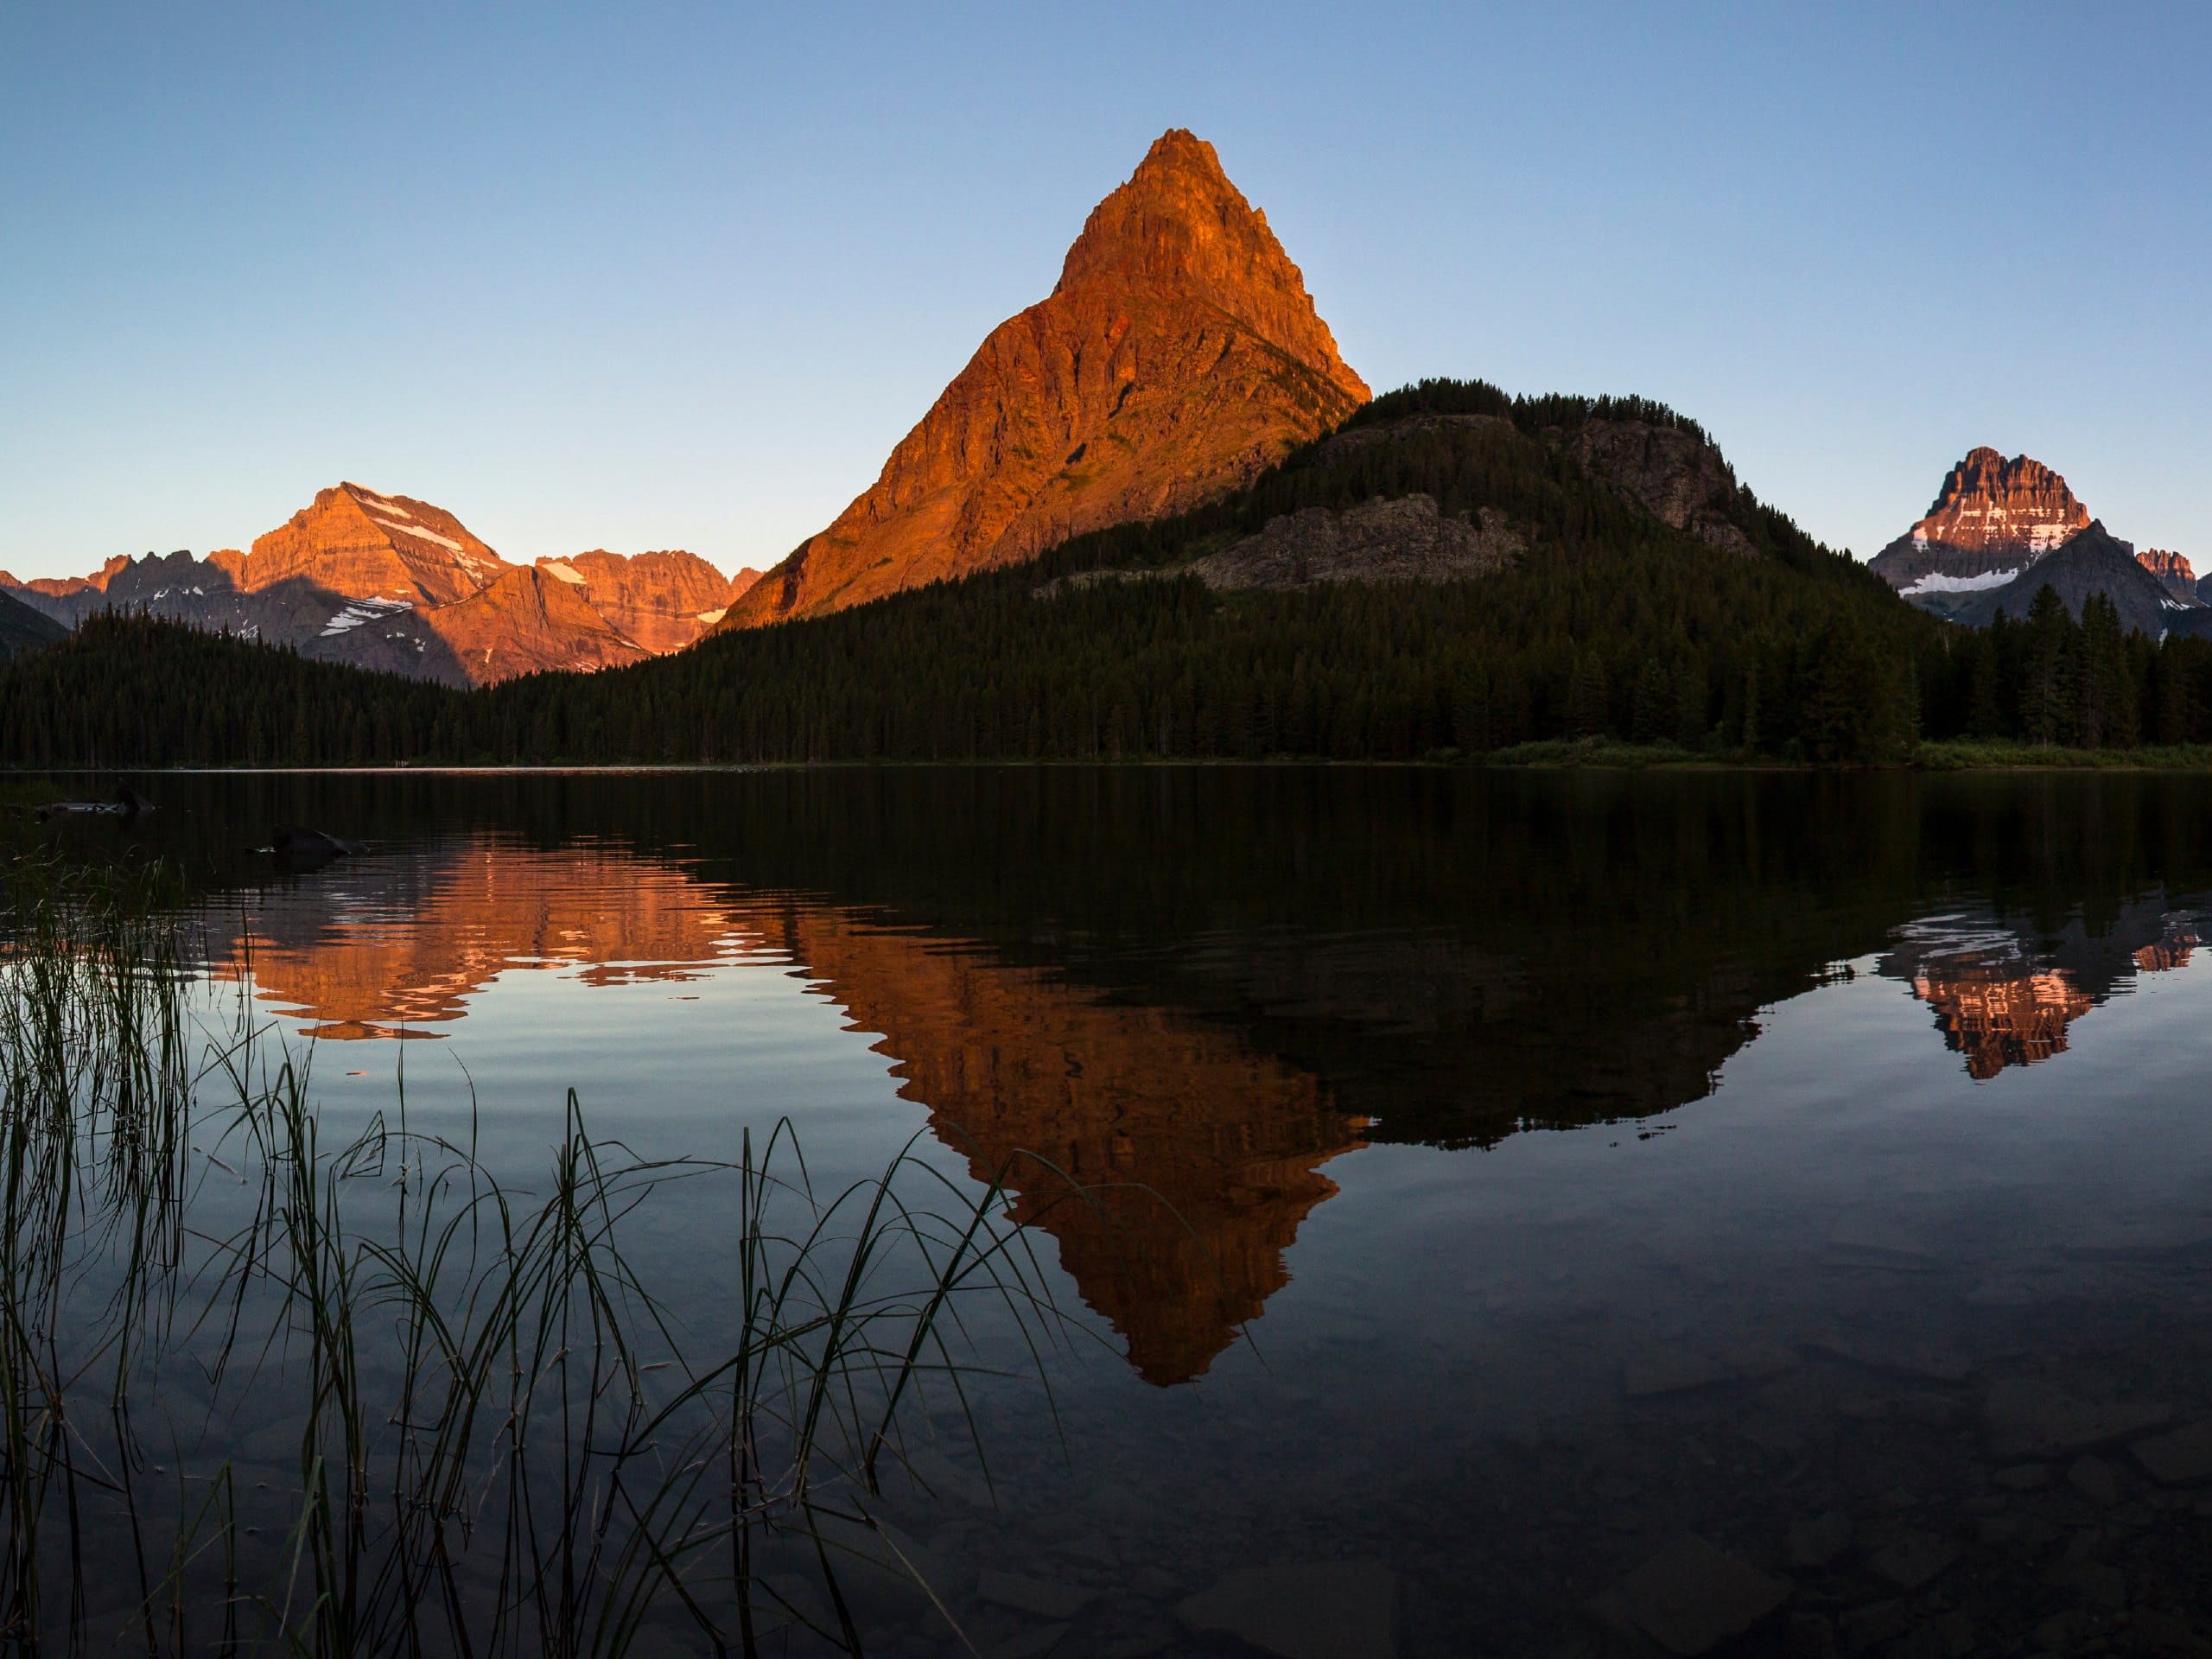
column 1511, row 1175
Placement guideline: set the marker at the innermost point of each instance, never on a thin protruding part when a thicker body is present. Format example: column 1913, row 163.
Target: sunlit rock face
column 1178, row 356
column 395, row 583
column 364, row 545
column 524, row 623
column 1991, row 520
column 661, row 601
column 2173, row 571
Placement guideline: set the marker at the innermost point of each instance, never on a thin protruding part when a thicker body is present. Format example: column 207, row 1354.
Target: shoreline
column 1584, row 754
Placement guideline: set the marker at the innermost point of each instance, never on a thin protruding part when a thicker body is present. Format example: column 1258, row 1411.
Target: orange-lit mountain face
column 395, row 583
column 1178, row 356
column 355, row 542
column 2173, row 571
column 661, row 601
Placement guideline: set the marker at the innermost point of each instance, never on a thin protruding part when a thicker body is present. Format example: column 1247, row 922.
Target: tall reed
column 265, row 1388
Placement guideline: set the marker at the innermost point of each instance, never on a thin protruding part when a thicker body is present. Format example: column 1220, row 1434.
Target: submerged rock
column 1690, row 1597
column 2181, row 1458
column 2025, row 1418
column 1821, row 1541
column 1317, row 1610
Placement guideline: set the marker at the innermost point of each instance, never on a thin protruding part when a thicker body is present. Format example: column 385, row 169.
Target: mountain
column 2092, row 561
column 355, row 542
column 526, row 621
column 23, row 628
column 1992, row 519
column 1178, row 356
column 396, row 584
column 63, row 597
column 662, row 600
column 2171, row 569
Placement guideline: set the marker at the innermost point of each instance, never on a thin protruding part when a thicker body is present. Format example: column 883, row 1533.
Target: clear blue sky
column 652, row 276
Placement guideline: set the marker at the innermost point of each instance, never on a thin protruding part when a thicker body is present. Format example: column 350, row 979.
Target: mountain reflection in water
column 1190, row 993
column 2000, row 1001
column 1196, row 1155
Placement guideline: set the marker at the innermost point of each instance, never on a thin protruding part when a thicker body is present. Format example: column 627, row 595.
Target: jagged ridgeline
column 1452, row 570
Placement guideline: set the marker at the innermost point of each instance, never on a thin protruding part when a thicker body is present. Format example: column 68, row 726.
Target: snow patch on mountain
column 1940, row 584
column 419, row 533
column 360, row 611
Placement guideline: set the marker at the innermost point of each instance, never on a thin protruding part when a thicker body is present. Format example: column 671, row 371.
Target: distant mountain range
column 2000, row 531
column 1178, row 358
column 391, row 582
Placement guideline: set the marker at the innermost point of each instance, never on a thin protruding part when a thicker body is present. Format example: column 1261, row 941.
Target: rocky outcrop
column 1178, row 356
column 525, row 622
column 1674, row 475
column 2090, row 561
column 355, row 542
column 661, row 601
column 2172, row 571
column 1992, row 520
column 1404, row 539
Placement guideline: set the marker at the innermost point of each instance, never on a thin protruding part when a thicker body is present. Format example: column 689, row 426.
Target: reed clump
column 269, row 1386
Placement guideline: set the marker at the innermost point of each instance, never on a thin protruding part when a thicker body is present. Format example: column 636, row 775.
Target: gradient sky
column 669, row 275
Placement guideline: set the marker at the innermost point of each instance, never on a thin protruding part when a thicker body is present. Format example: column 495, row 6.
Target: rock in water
column 1178, row 356
column 1319, row 1610
column 308, row 847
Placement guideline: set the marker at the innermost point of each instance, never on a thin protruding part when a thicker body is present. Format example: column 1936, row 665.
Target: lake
column 1541, row 1213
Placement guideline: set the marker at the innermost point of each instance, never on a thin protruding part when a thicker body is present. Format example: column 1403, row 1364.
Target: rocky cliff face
column 1676, row 477
column 663, row 601
column 364, row 545
column 1400, row 539
column 1178, row 355
column 1993, row 518
column 526, row 621
column 2172, row 571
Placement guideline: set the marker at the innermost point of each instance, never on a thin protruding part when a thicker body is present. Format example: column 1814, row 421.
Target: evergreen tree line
column 1611, row 625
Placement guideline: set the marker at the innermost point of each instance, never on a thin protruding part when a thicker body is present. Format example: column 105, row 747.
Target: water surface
column 1499, row 1177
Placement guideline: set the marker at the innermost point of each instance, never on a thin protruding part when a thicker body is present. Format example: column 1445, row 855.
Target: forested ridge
column 1611, row 624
